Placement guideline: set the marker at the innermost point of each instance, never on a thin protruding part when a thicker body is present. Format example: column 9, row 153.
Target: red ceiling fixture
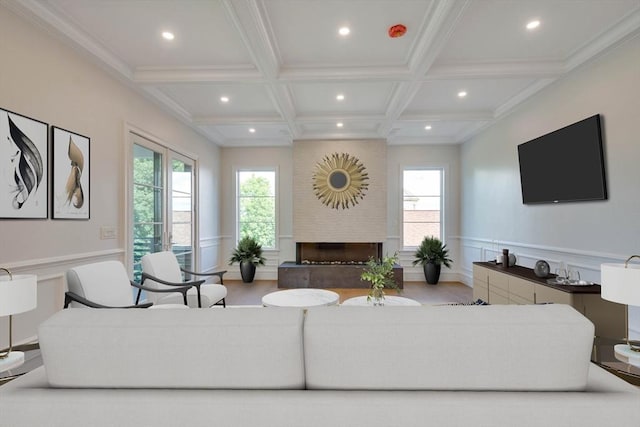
column 397, row 30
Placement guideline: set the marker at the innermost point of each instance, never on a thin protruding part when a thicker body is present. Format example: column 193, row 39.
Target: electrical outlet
column 108, row 232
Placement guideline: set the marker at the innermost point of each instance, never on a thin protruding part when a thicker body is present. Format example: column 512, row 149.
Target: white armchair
column 160, row 270
column 106, row 285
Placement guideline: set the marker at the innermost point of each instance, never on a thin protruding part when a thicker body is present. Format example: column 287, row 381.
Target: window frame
column 443, row 200
column 274, row 169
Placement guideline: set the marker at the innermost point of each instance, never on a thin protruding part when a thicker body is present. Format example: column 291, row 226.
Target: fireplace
column 324, row 253
column 331, row 265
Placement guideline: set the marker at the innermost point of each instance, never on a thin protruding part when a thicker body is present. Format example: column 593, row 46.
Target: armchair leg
column 67, row 301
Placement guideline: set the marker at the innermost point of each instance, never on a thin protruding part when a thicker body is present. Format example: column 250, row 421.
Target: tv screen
column 566, row 165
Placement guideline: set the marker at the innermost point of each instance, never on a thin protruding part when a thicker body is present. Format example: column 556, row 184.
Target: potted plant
column 249, row 254
column 380, row 274
column 432, row 254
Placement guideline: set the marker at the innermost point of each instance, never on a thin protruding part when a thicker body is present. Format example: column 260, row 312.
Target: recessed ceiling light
column 252, row 130
column 344, row 31
column 224, row 99
column 462, row 94
column 339, row 124
column 428, row 127
column 532, row 25
column 167, row 35
column 340, row 97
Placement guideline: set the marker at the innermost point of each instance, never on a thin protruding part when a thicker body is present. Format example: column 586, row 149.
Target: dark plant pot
column 432, row 273
column 247, row 271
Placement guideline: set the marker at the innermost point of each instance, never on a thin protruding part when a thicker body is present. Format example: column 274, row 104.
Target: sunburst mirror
column 339, row 180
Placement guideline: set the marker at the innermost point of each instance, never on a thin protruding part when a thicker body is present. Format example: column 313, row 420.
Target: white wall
column 447, row 157
column 582, row 234
column 44, row 79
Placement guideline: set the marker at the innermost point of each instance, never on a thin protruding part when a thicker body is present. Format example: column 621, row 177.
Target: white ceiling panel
column 281, row 63
column 262, row 131
column 482, row 95
column 495, row 30
column 321, row 98
column 202, row 99
column 132, row 30
column 306, row 32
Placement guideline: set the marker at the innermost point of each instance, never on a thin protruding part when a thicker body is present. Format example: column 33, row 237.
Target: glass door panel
column 148, row 204
column 182, row 210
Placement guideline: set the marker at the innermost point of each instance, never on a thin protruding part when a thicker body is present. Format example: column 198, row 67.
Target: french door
column 162, row 203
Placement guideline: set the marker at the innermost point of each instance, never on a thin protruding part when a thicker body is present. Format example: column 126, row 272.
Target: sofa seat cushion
column 29, row 402
column 535, row 348
column 196, row 348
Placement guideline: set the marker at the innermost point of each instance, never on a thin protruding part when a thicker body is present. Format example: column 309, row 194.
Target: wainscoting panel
column 209, row 256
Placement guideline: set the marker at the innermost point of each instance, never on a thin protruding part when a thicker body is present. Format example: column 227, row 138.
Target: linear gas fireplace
column 325, row 253
column 330, row 265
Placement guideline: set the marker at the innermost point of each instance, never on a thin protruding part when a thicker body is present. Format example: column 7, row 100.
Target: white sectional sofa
column 330, row 366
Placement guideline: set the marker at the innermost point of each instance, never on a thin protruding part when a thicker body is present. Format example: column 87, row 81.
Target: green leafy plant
column 432, row 250
column 380, row 275
column 248, row 250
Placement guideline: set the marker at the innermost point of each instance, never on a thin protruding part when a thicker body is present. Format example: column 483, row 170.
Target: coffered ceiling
column 282, row 63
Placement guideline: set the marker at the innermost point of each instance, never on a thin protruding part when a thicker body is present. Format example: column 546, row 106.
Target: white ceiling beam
column 149, row 75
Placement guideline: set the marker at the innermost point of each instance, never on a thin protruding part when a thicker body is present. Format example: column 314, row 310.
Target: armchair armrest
column 73, row 297
column 215, row 273
column 182, row 287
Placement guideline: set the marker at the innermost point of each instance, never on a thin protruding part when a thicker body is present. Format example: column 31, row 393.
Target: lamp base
column 13, row 360
column 624, row 353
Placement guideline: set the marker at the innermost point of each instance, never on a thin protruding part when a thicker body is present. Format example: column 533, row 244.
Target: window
column 421, row 205
column 256, row 196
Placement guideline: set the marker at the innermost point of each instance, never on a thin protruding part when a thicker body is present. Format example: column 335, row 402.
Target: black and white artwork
column 23, row 166
column 70, row 152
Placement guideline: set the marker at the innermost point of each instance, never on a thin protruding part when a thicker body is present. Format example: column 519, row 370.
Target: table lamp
column 18, row 293
column 621, row 284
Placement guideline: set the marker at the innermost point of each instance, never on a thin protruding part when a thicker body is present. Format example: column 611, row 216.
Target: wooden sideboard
column 519, row 285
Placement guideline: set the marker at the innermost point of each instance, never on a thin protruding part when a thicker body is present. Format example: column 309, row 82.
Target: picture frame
column 71, row 171
column 24, row 172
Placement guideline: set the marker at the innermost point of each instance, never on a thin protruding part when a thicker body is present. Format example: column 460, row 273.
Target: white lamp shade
column 621, row 284
column 18, row 294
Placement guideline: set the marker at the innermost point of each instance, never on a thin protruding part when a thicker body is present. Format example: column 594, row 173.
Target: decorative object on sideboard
column 18, row 293
column 339, row 181
column 431, row 254
column 621, row 284
column 23, row 166
column 541, row 269
column 71, row 172
column 510, row 256
column 380, row 274
column 249, row 254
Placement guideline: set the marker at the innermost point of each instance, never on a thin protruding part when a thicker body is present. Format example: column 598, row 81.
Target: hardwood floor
column 240, row 293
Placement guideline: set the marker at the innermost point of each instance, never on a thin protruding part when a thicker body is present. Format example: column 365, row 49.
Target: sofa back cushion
column 247, row 348
column 534, row 347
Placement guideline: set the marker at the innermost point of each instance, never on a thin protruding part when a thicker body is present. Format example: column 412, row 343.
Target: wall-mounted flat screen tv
column 566, row 165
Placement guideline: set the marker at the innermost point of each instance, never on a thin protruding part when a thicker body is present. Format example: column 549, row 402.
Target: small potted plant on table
column 432, row 254
column 249, row 254
column 380, row 274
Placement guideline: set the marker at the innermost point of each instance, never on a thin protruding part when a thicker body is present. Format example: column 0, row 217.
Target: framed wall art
column 23, row 167
column 71, row 172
